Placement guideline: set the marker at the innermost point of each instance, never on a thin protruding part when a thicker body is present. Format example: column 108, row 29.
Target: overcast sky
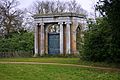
column 86, row 4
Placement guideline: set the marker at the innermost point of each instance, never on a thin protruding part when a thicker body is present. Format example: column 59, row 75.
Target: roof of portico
column 55, row 15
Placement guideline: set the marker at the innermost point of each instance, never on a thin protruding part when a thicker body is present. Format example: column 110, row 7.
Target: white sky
column 86, row 4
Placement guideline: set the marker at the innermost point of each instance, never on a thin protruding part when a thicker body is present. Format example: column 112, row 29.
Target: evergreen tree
column 111, row 10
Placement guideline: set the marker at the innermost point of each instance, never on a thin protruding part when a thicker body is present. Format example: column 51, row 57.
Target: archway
column 79, row 38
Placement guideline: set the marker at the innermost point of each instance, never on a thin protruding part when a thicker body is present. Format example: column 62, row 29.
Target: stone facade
column 66, row 25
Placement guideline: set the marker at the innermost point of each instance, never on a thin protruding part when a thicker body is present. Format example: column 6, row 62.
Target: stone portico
column 56, row 33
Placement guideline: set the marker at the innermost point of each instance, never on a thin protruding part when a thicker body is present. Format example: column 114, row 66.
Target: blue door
column 53, row 43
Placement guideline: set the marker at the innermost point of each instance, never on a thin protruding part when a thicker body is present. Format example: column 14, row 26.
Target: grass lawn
column 53, row 72
column 42, row 60
column 60, row 60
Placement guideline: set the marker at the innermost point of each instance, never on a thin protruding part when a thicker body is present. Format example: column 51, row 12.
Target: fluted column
column 36, row 40
column 61, row 37
column 68, row 46
column 42, row 39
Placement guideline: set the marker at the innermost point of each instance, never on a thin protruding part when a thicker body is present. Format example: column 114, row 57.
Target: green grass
column 53, row 72
column 61, row 60
column 42, row 60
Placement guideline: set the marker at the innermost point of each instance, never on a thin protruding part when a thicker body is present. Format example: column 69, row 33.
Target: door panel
column 53, row 43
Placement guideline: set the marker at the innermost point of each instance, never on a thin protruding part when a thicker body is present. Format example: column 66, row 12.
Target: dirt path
column 84, row 66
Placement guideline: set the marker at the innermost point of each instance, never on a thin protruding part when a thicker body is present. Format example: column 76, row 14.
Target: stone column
column 61, row 37
column 68, row 46
column 39, row 38
column 46, row 41
column 74, row 26
column 42, row 39
column 36, row 40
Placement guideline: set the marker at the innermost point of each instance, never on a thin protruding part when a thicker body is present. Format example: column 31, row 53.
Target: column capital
column 60, row 22
column 68, row 22
column 42, row 24
column 38, row 24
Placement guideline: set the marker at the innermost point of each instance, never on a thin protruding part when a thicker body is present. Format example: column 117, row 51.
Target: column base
column 35, row 55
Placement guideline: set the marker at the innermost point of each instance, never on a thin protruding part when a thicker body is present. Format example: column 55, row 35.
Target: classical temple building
column 56, row 33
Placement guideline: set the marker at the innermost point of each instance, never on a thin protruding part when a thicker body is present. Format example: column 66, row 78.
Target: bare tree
column 28, row 21
column 11, row 17
column 52, row 8
column 72, row 6
column 61, row 7
column 45, row 7
column 42, row 7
